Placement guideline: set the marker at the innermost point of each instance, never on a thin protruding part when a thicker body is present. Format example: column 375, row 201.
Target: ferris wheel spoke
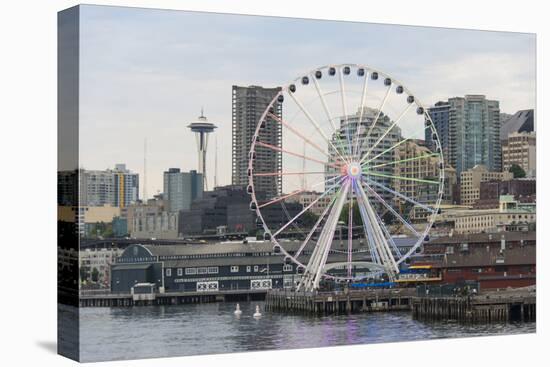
column 307, row 207
column 425, row 156
column 392, row 210
column 327, row 111
column 295, row 192
column 370, row 173
column 278, row 149
column 391, row 148
column 344, row 107
column 315, row 124
column 287, row 173
column 378, row 113
column 388, row 236
column 314, row 228
column 361, row 112
column 404, row 197
column 386, row 132
column 299, row 134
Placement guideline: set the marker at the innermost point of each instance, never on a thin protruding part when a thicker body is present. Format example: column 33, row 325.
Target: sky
column 146, row 74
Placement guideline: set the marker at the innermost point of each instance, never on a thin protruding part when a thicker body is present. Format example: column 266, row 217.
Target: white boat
column 257, row 314
column 238, row 311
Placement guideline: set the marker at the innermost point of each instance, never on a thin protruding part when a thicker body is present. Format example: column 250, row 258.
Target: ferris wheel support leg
column 314, row 269
column 366, row 227
column 316, row 256
column 330, row 230
column 383, row 248
column 307, row 277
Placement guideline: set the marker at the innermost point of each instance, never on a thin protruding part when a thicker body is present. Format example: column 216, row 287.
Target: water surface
column 163, row 331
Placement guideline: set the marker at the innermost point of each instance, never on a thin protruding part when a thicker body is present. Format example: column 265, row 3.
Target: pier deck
column 340, row 302
column 107, row 299
column 504, row 305
column 489, row 306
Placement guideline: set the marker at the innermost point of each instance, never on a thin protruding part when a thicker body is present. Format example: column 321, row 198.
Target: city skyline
column 158, row 74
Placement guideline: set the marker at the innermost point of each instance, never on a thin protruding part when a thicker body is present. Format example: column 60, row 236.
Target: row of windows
column 214, row 255
column 134, row 259
column 193, row 271
column 215, row 270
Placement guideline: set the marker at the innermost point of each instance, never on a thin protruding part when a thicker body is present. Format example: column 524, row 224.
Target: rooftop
column 485, row 238
column 521, row 121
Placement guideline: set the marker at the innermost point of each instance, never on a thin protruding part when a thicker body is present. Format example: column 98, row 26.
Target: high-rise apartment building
column 440, row 115
column 96, row 188
column 181, row 188
column 117, row 187
column 249, row 103
column 126, row 186
column 469, row 130
column 378, row 163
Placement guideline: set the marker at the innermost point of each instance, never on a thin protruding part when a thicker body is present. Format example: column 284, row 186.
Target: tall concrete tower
column 202, row 128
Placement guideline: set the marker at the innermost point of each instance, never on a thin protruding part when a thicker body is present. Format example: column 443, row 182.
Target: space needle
column 202, row 128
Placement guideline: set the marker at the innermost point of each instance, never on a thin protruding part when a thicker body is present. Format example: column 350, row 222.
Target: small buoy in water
column 257, row 313
column 238, row 310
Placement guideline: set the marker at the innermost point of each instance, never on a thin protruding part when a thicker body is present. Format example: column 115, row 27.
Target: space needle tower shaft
column 202, row 128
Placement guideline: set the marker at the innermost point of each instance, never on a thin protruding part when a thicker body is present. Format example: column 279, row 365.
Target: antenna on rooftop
column 145, row 169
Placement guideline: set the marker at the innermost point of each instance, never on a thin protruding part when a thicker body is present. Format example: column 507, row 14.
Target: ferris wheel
column 357, row 153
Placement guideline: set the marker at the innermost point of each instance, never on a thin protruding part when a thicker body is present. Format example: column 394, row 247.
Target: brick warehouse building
column 497, row 260
column 523, row 190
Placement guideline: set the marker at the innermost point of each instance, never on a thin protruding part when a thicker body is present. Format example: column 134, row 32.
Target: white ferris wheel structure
column 360, row 153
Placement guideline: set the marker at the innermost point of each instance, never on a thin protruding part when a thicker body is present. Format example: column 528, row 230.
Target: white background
column 28, row 181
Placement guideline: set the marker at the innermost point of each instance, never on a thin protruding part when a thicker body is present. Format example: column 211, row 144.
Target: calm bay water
column 160, row 331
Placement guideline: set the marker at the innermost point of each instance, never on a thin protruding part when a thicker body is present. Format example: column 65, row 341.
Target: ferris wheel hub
column 354, row 170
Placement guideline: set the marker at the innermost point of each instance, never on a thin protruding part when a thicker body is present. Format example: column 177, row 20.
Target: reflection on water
column 157, row 331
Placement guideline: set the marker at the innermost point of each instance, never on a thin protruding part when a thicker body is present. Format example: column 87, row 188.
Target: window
column 213, row 270
column 248, row 268
column 180, row 272
column 234, row 269
column 287, row 267
column 168, row 272
column 202, row 270
column 190, row 271
column 256, row 268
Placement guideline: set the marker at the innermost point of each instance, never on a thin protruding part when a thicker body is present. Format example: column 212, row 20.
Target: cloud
column 507, row 77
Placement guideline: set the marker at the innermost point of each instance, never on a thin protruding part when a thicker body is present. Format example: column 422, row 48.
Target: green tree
column 344, row 215
column 309, row 219
column 83, row 274
column 95, row 275
column 517, row 171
